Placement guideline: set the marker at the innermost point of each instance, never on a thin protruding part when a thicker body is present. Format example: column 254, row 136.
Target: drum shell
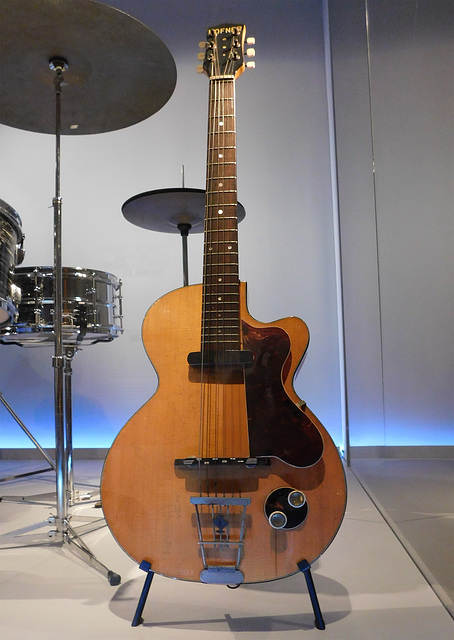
column 91, row 307
column 11, row 239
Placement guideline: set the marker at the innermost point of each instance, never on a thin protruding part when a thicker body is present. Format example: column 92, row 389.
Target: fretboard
column 220, row 312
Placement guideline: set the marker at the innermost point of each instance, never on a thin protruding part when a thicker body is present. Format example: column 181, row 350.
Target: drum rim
column 47, row 271
column 12, row 217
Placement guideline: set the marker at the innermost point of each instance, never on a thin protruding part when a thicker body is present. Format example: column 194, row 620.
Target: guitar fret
column 224, row 302
column 213, row 225
column 212, row 325
column 218, row 219
column 223, row 264
column 224, row 316
column 221, row 306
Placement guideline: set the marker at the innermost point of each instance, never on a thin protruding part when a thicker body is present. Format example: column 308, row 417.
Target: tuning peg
column 200, row 68
column 250, row 53
column 202, row 44
column 200, row 56
column 250, row 64
column 250, row 40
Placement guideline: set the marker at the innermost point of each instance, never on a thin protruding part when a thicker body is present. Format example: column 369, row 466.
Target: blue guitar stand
column 145, row 566
column 305, row 568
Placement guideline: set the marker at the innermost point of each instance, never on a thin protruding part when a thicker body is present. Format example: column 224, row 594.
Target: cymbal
column 165, row 209
column 119, row 72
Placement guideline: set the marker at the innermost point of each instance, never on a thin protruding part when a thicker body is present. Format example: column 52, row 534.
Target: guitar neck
column 220, row 314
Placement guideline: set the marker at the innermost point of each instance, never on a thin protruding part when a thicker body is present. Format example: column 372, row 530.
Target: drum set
column 69, row 68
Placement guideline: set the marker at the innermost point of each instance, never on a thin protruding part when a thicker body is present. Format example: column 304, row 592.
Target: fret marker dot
column 220, row 211
column 219, row 279
column 221, row 155
column 229, row 247
column 221, row 184
column 220, row 298
column 221, row 124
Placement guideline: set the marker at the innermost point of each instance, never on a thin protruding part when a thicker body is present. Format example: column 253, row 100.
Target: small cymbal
column 165, row 209
column 119, row 72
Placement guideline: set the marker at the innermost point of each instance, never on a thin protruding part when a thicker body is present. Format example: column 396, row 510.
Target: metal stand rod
column 27, row 432
column 59, row 66
column 70, row 352
column 85, row 554
column 184, row 230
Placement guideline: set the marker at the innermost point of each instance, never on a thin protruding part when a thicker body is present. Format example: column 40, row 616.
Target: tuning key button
column 277, row 519
column 250, row 52
column 296, row 499
column 250, row 40
column 250, row 64
column 200, row 68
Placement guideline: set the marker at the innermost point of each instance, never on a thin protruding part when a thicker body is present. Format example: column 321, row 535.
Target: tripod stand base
column 62, row 535
column 83, row 552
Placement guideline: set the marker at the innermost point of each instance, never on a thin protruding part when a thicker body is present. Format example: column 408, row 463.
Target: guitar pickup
column 221, row 358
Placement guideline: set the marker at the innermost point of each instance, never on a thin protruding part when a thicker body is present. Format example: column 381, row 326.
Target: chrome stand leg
column 27, row 433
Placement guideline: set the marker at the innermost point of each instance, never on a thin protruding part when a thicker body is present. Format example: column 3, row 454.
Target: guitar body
column 256, row 415
column 224, row 475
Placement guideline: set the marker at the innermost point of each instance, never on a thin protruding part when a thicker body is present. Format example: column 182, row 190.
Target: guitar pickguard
column 277, row 427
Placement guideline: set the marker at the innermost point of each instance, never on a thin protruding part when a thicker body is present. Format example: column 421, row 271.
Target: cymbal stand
column 64, row 532
column 61, row 519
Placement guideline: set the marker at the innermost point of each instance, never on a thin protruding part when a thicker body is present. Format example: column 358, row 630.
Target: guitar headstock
column 223, row 56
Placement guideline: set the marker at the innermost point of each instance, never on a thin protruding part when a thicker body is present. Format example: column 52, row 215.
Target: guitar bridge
column 217, row 521
column 197, row 463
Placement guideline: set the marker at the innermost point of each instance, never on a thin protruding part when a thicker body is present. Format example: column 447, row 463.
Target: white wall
column 286, row 240
column 394, row 106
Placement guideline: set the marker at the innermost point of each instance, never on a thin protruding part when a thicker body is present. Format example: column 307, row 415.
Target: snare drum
column 91, row 305
column 11, row 254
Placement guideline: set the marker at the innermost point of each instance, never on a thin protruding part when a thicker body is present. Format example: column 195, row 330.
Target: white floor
column 368, row 587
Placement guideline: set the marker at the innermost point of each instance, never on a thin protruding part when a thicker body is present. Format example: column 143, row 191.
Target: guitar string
column 227, row 106
column 215, row 336
column 206, row 405
column 204, row 310
column 226, row 234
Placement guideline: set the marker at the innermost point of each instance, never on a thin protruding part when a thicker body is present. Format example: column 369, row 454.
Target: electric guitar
column 224, row 475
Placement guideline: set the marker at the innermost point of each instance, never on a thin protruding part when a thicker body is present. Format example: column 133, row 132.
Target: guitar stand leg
column 305, row 568
column 145, row 566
